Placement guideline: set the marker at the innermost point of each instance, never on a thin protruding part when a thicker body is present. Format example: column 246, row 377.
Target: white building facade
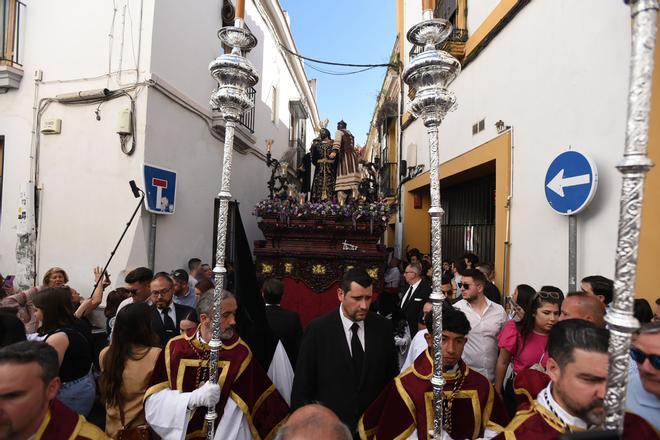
column 153, row 56
column 555, row 73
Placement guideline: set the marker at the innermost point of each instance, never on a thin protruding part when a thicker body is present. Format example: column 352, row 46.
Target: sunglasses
column 546, row 295
column 463, row 285
column 639, row 356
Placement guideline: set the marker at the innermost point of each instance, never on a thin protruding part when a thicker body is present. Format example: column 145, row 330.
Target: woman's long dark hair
column 132, row 330
column 56, row 307
column 526, row 325
column 525, row 295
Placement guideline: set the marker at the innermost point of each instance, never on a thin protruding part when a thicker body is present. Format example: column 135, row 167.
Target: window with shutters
column 12, row 14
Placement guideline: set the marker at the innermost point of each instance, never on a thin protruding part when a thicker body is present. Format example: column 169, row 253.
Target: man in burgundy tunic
column 405, row 408
column 573, row 400
column 28, row 408
column 246, row 401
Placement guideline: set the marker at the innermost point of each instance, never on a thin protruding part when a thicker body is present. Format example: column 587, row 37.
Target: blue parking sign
column 570, row 182
column 160, row 185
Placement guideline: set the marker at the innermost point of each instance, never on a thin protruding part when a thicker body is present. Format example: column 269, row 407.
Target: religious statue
column 348, row 172
column 325, row 167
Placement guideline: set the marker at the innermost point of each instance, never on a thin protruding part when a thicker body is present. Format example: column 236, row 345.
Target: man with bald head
column 580, row 305
column 316, row 422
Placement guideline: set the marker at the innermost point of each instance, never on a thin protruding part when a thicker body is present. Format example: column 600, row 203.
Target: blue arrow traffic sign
column 570, row 182
column 161, row 189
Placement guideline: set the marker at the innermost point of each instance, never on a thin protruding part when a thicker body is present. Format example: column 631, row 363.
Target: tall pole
column 633, row 167
column 430, row 73
column 572, row 253
column 235, row 76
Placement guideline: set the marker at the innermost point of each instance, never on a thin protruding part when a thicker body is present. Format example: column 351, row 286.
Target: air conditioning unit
column 51, row 126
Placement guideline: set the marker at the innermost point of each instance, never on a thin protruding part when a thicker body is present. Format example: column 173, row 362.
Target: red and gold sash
column 62, row 422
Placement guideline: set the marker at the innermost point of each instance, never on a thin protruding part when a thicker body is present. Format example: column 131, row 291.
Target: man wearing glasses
column 415, row 295
column 644, row 383
column 486, row 320
column 166, row 314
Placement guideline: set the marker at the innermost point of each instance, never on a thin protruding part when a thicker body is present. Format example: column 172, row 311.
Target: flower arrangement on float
column 288, row 209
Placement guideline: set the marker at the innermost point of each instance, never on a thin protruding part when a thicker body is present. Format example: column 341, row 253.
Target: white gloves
column 206, row 395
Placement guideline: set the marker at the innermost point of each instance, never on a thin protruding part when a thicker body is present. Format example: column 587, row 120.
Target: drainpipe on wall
column 26, row 231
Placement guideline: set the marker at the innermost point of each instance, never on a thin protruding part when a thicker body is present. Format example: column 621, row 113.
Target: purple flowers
column 330, row 210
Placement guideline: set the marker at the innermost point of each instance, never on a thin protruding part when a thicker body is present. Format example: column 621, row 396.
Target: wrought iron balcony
column 455, row 45
column 247, row 118
column 389, row 179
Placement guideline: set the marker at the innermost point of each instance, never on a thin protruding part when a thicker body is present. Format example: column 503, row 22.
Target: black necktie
column 357, row 351
column 167, row 321
column 406, row 297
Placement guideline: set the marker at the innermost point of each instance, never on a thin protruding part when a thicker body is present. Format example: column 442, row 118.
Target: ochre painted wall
column 649, row 249
column 417, row 223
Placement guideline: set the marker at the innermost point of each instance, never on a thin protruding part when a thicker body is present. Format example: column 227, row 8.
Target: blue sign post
column 160, row 185
column 570, row 182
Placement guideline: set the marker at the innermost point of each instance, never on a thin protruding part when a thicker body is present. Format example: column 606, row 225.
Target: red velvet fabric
column 308, row 303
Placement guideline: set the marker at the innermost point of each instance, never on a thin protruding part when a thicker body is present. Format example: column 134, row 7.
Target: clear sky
column 346, row 31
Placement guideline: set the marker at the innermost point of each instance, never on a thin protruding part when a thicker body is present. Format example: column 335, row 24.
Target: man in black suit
column 347, row 356
column 166, row 314
column 284, row 323
column 415, row 295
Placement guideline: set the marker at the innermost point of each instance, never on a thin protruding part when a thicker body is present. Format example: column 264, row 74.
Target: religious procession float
column 316, row 228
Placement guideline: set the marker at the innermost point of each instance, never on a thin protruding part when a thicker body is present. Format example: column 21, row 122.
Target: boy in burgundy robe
column 405, row 408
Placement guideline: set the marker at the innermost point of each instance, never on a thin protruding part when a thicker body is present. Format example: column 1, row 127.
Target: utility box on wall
column 51, row 126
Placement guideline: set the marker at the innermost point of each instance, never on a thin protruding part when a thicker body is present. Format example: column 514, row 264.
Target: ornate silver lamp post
column 430, row 73
column 235, row 75
column 634, row 166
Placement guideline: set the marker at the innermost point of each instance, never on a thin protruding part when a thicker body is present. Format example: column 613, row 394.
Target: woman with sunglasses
column 523, row 343
column 644, row 381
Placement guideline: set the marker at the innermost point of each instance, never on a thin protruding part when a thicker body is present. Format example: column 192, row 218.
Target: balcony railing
column 388, row 179
column 10, row 23
column 247, row 118
column 455, row 45
column 299, row 148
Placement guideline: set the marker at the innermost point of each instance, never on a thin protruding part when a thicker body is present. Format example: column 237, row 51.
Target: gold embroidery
column 318, row 269
column 373, row 272
column 74, row 434
column 243, row 406
column 43, row 426
column 266, row 268
column 473, row 395
column 409, row 404
column 195, row 363
column 288, row 267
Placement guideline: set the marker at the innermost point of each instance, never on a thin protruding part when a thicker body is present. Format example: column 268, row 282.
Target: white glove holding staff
column 206, row 395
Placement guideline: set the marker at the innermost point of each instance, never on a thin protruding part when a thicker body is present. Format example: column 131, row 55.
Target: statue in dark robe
column 325, row 167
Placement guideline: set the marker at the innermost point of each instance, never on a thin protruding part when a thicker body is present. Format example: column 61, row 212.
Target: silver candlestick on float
column 430, row 73
column 634, row 166
column 235, row 76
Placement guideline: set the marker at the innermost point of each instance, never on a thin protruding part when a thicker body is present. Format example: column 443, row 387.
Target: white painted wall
column 566, row 91
column 478, row 11
column 85, row 198
column 83, row 204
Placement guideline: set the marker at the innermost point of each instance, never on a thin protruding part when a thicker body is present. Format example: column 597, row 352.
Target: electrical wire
column 332, row 63
column 327, row 72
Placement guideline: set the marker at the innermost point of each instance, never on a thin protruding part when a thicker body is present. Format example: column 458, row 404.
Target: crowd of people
column 532, row 364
